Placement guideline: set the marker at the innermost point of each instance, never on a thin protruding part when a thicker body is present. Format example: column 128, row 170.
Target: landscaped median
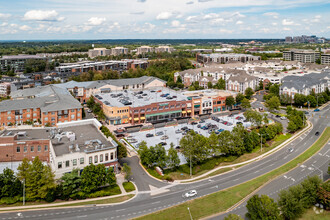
column 223, row 200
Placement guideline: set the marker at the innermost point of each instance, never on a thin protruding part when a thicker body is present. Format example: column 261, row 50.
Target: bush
column 79, row 195
column 51, row 196
column 9, row 200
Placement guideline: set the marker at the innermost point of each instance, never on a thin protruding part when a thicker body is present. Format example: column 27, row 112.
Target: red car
column 225, row 123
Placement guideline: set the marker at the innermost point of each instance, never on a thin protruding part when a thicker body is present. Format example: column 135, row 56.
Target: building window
column 59, row 165
column 28, row 115
column 46, row 147
column 72, row 110
column 101, row 158
column 39, row 148
column 9, row 112
column 32, row 148
column 106, row 157
column 111, row 156
column 72, row 116
column 74, row 162
column 67, row 163
column 53, row 113
column 90, row 160
column 53, row 119
column 34, row 114
column 18, row 150
column 95, row 159
column 82, row 160
column 25, row 149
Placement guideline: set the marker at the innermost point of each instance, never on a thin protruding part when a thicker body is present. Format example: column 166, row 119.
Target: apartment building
column 325, row 58
column 304, row 56
column 240, row 82
column 317, row 82
column 5, row 89
column 119, row 51
column 72, row 145
column 47, row 105
column 225, row 58
column 159, row 104
column 144, row 49
column 17, row 63
column 92, row 53
column 162, row 49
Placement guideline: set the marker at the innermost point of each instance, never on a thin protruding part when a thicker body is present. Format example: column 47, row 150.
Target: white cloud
column 239, row 15
column 239, row 22
column 175, row 23
column 25, row 28
column 316, row 19
column 4, row 24
column 274, row 23
column 272, row 14
column 225, row 31
column 4, row 16
column 286, row 29
column 39, row 15
column 287, row 22
column 191, row 18
column 164, row 15
column 95, row 21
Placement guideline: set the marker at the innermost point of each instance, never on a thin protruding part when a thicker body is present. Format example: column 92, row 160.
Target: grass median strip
column 128, row 186
column 223, row 200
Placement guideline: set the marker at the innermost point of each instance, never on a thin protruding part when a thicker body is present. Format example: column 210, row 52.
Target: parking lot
column 175, row 133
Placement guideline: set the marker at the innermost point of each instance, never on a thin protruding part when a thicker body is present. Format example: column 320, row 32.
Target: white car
column 283, row 118
column 191, row 193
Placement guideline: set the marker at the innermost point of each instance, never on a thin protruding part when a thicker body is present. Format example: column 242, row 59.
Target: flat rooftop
column 80, row 138
column 210, row 93
column 140, row 98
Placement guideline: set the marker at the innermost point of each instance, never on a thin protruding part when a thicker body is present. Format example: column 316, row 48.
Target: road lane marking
column 155, row 202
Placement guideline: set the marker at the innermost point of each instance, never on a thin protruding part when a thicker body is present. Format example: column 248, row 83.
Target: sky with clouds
column 159, row 19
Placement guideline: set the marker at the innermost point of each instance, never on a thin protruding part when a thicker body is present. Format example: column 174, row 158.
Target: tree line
column 40, row 184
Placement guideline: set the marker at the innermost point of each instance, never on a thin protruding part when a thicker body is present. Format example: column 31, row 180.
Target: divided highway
column 145, row 203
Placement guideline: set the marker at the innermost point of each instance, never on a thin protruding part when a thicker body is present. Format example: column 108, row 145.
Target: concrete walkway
column 120, row 179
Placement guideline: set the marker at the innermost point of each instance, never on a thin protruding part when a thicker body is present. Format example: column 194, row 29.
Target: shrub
column 9, row 200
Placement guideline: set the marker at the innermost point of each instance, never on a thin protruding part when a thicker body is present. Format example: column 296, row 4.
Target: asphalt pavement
column 147, row 202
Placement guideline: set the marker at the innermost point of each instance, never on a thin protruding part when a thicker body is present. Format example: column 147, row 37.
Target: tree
column 265, row 118
column 230, row 101
column 254, row 117
column 70, row 184
column 145, row 154
column 273, row 103
column 173, row 159
column 310, row 190
column 160, row 155
column 221, row 84
column 194, row 146
column 94, row 177
column 209, row 85
column 248, row 92
column 10, row 186
column 275, row 90
column 246, row 103
column 90, row 102
column 39, row 179
column 128, row 171
column 239, row 98
column 262, row 207
column 290, row 202
column 233, row 217
column 324, row 194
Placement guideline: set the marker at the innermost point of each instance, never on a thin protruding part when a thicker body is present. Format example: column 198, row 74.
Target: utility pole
column 23, row 191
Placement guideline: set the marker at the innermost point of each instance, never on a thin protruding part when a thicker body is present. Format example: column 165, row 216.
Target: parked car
column 164, row 137
column 162, row 143
column 191, row 193
column 202, row 121
column 199, row 126
column 178, row 131
column 159, row 133
column 283, row 118
column 316, row 110
column 194, row 123
column 277, row 116
column 184, row 128
column 221, row 130
column 149, row 135
column 204, row 127
column 239, row 123
column 225, row 122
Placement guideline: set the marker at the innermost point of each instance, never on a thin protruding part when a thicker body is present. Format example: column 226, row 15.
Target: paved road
column 145, row 203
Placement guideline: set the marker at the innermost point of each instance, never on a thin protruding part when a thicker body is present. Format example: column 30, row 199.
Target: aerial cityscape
column 149, row 109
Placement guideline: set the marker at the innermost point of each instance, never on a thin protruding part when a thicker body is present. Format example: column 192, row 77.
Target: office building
column 225, row 58
column 304, row 56
column 119, row 51
column 17, row 63
column 162, row 49
column 325, row 58
column 144, row 49
column 92, row 53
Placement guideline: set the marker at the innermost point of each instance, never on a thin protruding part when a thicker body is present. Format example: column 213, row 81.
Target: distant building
column 144, row 49
column 119, row 51
column 162, row 49
column 17, row 63
column 304, row 56
column 288, row 40
column 5, row 89
column 98, row 52
column 325, row 58
column 225, row 58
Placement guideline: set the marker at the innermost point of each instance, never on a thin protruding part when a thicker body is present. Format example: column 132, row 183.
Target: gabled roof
column 305, row 81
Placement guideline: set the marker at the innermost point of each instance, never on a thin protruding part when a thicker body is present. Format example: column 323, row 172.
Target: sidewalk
column 249, row 161
column 120, row 179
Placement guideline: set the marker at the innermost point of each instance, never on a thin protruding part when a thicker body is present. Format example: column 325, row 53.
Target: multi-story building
column 73, row 145
column 99, row 52
column 304, row 56
column 17, row 63
column 288, row 40
column 47, row 105
column 325, row 58
column 162, row 49
column 144, row 49
column 317, row 82
column 5, row 89
column 240, row 82
column 118, row 51
column 159, row 104
column 225, row 58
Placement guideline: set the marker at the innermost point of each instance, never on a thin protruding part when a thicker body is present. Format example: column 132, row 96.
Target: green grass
column 311, row 215
column 219, row 201
column 128, row 186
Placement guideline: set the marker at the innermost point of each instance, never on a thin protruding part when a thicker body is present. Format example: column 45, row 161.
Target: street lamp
column 190, row 214
column 261, row 141
column 23, row 191
column 320, row 171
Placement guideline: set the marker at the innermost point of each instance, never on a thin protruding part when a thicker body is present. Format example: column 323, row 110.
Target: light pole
column 190, row 166
column 320, row 171
column 261, row 142
column 190, row 214
column 23, row 191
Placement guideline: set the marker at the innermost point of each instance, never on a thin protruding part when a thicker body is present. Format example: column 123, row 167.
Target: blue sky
column 128, row 19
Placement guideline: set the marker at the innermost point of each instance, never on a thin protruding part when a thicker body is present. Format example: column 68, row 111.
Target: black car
column 194, row 123
column 277, row 116
column 149, row 135
column 184, row 128
column 317, row 133
column 199, row 126
column 162, row 143
column 239, row 122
